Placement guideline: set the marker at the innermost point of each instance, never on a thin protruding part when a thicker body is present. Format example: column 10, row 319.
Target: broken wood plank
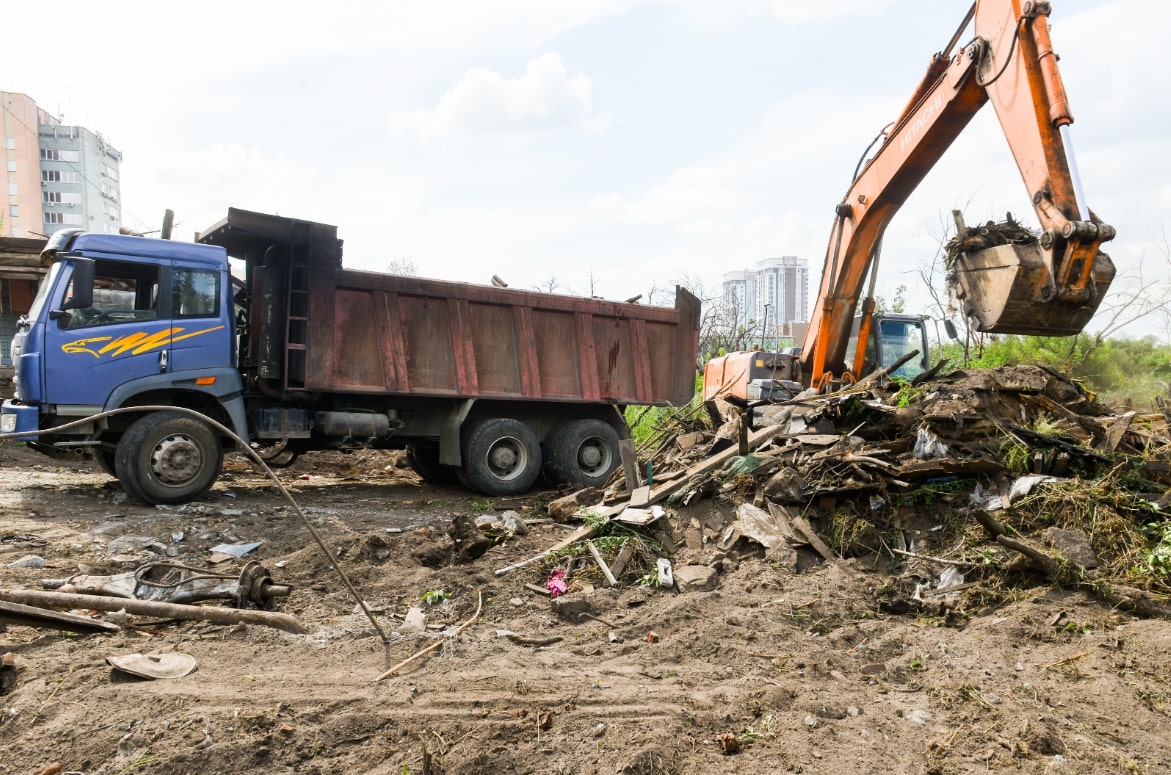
column 1115, row 433
column 819, row 546
column 624, row 555
column 755, row 440
column 781, row 515
column 640, row 497
column 629, row 464
column 602, row 564
column 31, row 616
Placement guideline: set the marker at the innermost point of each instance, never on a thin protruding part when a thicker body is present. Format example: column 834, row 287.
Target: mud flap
column 1009, row 289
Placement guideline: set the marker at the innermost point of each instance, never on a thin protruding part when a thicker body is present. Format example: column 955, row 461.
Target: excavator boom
column 1052, row 286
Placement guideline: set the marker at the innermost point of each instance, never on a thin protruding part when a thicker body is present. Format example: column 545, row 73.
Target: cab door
column 124, row 334
column 202, row 332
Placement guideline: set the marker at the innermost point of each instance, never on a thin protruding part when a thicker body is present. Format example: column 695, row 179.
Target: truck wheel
column 501, row 456
column 105, row 460
column 424, row 461
column 168, row 458
column 583, row 451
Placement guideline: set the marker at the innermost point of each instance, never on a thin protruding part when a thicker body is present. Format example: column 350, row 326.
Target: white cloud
column 546, row 97
column 690, row 194
column 199, row 183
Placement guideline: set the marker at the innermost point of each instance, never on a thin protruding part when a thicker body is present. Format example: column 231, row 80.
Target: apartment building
column 771, row 299
column 57, row 176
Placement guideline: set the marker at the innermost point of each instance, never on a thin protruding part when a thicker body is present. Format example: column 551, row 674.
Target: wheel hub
column 175, row 459
column 593, row 456
column 507, row 458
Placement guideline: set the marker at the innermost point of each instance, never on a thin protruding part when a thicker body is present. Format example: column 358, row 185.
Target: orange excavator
column 1051, row 285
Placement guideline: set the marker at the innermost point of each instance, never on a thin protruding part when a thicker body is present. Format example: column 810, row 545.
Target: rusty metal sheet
column 385, row 333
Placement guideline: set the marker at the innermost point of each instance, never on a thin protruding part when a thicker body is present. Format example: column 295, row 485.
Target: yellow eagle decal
column 136, row 344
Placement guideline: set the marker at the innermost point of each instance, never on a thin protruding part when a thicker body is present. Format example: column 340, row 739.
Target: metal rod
column 1079, row 194
column 216, row 614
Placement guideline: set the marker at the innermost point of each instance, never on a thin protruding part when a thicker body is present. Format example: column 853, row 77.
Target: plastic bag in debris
column 950, row 577
column 746, row 464
column 928, row 445
column 993, row 501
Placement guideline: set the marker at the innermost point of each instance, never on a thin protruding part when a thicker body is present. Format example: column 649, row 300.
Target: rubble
column 886, row 470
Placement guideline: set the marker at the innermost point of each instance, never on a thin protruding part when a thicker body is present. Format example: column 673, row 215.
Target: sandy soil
column 778, row 669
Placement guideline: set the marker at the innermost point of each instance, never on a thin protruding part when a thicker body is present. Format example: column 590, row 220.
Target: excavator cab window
column 896, row 338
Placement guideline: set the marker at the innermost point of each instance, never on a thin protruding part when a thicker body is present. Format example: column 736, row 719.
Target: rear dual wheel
column 501, row 456
column 582, row 452
column 424, row 461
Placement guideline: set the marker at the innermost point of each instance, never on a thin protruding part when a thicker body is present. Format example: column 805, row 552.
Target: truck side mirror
column 82, row 284
column 950, row 328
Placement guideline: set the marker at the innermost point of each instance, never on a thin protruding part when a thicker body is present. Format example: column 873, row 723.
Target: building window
column 11, row 189
column 51, row 197
column 54, row 217
column 10, row 143
column 14, row 210
column 54, row 154
column 12, row 165
column 109, row 172
column 50, row 176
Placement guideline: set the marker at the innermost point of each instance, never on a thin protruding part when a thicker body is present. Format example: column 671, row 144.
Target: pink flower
column 556, row 583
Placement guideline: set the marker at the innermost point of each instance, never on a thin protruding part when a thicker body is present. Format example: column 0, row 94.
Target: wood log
column 216, row 614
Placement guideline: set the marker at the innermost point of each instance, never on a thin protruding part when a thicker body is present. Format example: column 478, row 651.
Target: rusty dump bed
column 318, row 327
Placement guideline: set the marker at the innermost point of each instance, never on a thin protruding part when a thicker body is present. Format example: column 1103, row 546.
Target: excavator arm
column 1052, row 287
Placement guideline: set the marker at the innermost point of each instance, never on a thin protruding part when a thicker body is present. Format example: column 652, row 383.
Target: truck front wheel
column 501, row 456
column 582, row 451
column 165, row 457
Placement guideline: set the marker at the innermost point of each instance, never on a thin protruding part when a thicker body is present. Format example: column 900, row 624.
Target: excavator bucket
column 1009, row 289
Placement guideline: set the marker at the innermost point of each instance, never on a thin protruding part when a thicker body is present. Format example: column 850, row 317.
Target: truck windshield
column 43, row 290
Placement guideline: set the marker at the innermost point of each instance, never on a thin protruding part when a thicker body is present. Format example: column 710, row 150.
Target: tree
column 722, row 325
column 402, row 266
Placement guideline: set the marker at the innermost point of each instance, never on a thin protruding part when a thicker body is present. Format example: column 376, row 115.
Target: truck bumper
column 19, row 418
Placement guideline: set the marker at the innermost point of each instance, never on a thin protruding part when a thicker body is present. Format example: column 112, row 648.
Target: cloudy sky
column 614, row 146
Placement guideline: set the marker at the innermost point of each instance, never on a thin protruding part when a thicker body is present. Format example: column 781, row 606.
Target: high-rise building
column 772, row 299
column 57, row 176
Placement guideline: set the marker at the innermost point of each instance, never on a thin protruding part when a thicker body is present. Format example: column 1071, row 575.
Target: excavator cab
column 892, row 336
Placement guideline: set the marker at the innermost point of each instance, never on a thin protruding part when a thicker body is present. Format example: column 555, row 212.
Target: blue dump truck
column 489, row 386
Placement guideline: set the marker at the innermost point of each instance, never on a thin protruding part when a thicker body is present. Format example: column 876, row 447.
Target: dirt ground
column 778, row 669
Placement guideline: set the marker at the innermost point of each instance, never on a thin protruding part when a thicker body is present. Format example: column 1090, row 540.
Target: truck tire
column 501, row 456
column 424, row 461
column 106, row 461
column 584, row 452
column 165, row 457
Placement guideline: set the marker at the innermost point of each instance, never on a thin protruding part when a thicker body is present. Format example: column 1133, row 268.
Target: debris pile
column 1012, row 473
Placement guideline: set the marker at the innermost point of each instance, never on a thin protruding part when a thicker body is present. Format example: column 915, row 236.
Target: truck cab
column 121, row 321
